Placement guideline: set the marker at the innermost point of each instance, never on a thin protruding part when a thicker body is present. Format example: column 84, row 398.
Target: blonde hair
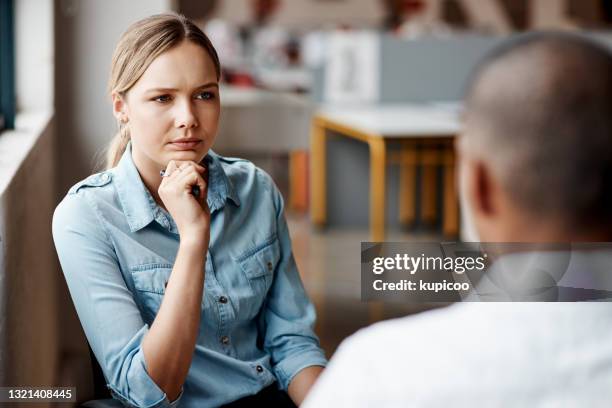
column 141, row 43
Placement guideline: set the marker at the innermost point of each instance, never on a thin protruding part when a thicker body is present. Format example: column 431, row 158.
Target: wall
column 29, row 321
column 310, row 13
column 34, row 53
column 86, row 33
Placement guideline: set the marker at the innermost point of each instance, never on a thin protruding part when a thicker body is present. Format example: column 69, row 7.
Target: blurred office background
column 350, row 105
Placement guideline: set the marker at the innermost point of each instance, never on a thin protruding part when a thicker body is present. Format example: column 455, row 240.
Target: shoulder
column 91, row 191
column 407, row 334
column 77, row 208
column 402, row 353
column 423, row 341
column 246, row 178
column 95, row 180
column 237, row 169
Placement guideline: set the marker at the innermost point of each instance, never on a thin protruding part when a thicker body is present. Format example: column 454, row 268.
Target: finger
column 198, row 189
column 197, row 166
column 194, row 165
column 172, row 165
column 201, row 169
column 190, row 177
column 176, row 167
column 168, row 171
column 180, row 167
column 170, row 168
column 184, row 164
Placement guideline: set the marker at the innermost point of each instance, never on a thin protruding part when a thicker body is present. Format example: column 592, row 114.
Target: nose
column 185, row 116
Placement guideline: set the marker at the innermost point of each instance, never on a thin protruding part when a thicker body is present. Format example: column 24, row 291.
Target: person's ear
column 482, row 185
column 120, row 108
column 474, row 179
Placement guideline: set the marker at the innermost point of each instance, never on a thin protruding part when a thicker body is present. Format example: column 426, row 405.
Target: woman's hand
column 191, row 214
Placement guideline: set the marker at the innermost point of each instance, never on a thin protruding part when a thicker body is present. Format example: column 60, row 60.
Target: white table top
column 398, row 120
column 244, row 97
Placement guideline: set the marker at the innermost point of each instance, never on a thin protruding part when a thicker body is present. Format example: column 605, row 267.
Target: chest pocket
column 150, row 283
column 258, row 266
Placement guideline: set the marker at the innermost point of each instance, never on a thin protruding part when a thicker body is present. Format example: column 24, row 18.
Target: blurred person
column 254, row 46
column 535, row 165
column 266, row 44
column 179, row 260
column 263, row 11
column 236, row 44
column 414, row 18
column 398, row 11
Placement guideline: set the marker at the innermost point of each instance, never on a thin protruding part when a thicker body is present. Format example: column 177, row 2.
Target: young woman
column 189, row 297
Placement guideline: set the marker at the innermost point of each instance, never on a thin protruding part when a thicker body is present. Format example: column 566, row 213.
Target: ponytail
column 117, row 146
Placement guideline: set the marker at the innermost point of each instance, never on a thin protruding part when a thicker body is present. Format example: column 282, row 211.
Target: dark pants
column 270, row 396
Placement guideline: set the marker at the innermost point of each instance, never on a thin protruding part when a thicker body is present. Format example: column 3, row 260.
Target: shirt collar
column 565, row 272
column 140, row 207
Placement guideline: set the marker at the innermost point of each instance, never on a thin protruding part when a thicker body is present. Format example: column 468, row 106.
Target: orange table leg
column 429, row 161
column 407, row 184
column 450, row 227
column 298, row 180
column 318, row 180
column 378, row 167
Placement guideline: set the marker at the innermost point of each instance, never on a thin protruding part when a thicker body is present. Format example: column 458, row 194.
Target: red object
column 244, row 80
column 411, row 7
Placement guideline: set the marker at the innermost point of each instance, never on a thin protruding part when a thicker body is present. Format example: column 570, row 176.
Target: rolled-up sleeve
column 106, row 308
column 289, row 314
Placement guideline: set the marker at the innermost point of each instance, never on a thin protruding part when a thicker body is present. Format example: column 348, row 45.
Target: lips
column 186, row 144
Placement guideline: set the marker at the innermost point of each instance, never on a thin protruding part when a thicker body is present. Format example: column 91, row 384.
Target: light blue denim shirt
column 117, row 248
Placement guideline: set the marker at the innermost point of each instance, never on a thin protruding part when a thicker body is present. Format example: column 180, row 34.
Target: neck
column 534, row 230
column 149, row 173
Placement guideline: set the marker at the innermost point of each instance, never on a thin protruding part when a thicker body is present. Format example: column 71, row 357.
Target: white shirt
column 476, row 354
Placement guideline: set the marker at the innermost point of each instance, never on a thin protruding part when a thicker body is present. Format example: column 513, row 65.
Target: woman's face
column 176, row 98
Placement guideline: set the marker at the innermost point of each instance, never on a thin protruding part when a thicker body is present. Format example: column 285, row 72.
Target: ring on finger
column 164, row 173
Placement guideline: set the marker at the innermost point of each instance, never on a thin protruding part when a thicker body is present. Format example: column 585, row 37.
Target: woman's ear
column 119, row 107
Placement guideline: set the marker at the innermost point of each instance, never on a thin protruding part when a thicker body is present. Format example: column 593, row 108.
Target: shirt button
column 225, row 340
column 259, row 369
column 222, row 299
column 269, row 266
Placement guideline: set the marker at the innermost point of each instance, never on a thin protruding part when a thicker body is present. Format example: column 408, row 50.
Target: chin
column 192, row 155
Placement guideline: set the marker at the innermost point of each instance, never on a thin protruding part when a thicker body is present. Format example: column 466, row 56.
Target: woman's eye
column 206, row 95
column 162, row 98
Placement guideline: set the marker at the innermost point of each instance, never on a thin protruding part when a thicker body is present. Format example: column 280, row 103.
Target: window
column 7, row 66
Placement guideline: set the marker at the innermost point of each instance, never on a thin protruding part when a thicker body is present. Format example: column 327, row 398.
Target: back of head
column 539, row 112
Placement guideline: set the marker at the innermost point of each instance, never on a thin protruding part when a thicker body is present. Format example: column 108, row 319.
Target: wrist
column 195, row 242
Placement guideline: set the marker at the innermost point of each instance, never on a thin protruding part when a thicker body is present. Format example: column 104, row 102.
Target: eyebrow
column 207, row 85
